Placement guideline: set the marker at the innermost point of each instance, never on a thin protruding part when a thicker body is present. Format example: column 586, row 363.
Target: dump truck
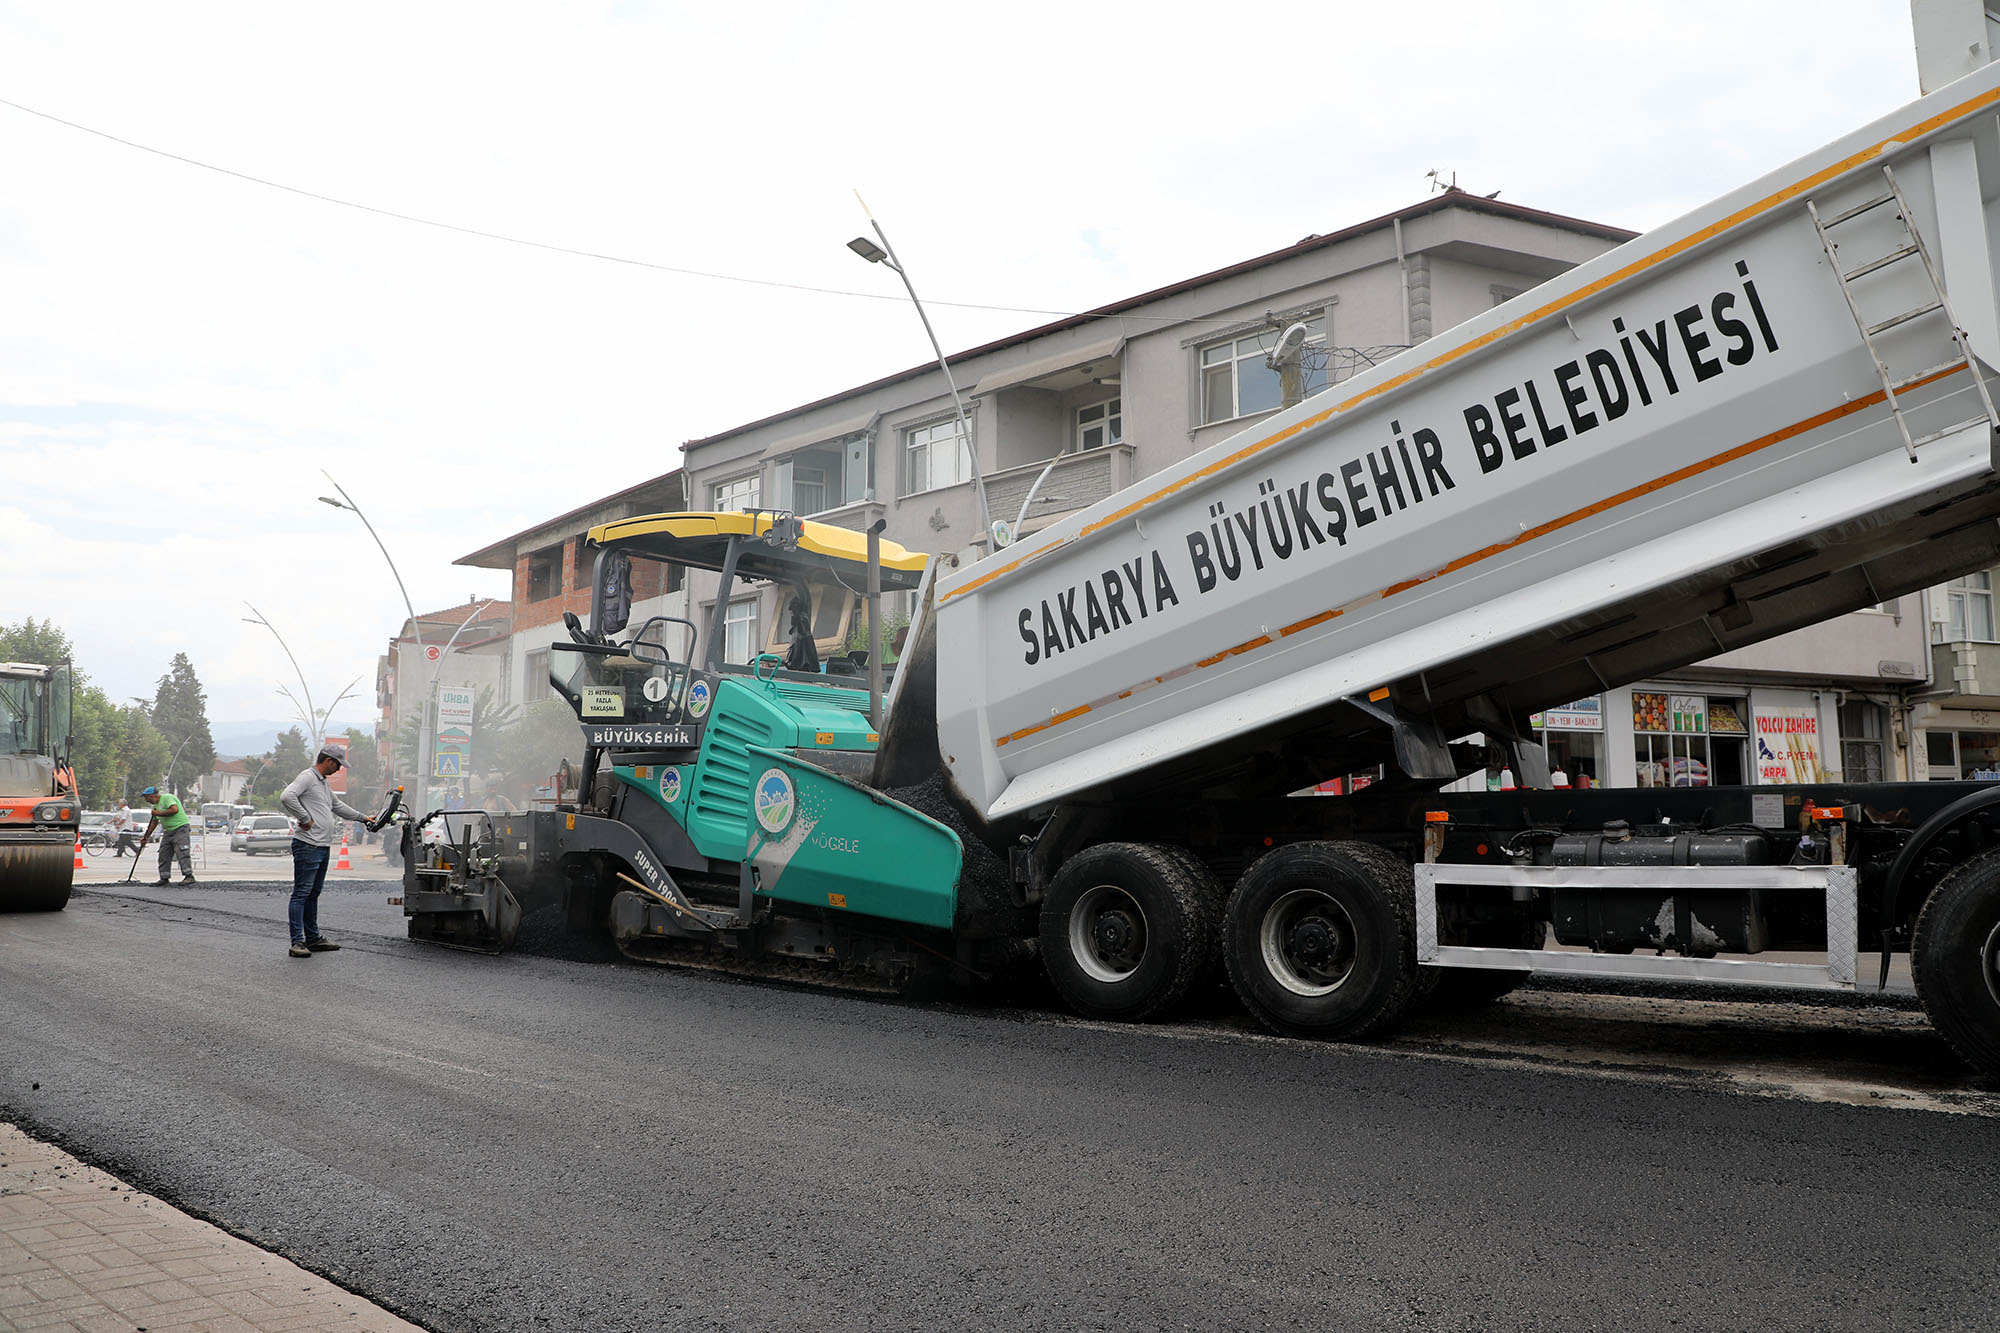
column 1772, row 411
column 40, row 815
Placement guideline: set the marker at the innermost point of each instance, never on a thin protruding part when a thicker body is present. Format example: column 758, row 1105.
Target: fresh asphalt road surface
column 528, row 1142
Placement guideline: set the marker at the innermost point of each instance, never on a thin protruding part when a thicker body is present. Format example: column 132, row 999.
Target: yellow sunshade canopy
column 701, row 540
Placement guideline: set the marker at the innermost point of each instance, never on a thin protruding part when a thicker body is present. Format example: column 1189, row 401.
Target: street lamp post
column 168, row 777
column 260, row 620
column 250, row 786
column 885, row 254
column 346, row 501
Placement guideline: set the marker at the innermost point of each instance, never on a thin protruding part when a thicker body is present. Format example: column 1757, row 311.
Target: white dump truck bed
column 1678, row 448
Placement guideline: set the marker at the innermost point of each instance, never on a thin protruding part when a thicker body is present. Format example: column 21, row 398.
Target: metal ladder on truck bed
column 1913, row 247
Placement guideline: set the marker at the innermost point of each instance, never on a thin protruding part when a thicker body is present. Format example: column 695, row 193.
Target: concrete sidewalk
column 80, row 1250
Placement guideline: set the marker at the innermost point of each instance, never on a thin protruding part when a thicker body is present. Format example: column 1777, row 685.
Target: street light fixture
column 885, row 255
column 319, row 720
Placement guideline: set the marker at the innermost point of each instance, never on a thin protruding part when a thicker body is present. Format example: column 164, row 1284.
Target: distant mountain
column 234, row 738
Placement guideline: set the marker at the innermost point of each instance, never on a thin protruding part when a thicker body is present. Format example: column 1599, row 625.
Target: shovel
column 135, row 855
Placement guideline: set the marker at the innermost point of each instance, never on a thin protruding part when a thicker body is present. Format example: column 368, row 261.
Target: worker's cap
column 329, row 752
column 150, row 791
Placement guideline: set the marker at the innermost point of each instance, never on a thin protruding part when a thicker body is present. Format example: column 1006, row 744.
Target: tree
column 35, row 641
column 364, row 769
column 286, row 761
column 94, row 729
column 403, row 765
column 180, row 713
column 96, row 724
column 140, row 756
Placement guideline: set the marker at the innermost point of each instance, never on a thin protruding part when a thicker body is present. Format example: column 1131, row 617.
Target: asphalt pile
column 545, row 933
column 985, row 889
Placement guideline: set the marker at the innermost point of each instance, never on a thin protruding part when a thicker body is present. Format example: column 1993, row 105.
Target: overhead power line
column 561, row 249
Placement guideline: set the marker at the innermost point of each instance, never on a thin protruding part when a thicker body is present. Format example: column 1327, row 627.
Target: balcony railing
column 1076, row 481
column 855, row 517
column 1966, row 666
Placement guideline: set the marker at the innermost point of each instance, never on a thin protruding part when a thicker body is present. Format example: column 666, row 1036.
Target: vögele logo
column 773, row 801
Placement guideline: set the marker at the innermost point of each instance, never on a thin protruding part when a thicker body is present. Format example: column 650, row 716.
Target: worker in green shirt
column 172, row 821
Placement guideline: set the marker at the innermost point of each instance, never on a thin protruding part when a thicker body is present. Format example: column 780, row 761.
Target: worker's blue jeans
column 308, row 878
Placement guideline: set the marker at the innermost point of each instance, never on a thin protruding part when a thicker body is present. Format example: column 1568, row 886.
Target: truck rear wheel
column 1955, row 960
column 1320, row 939
column 1126, row 930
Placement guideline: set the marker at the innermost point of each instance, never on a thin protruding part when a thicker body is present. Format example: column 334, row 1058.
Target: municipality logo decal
column 773, row 801
column 698, row 694
column 670, row 785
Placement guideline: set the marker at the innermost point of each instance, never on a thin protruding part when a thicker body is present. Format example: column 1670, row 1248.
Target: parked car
column 267, row 833
column 240, row 833
column 95, row 830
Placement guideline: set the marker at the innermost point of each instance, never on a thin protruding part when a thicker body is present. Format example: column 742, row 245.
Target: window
column 739, row 631
column 1235, row 382
column 737, row 494
column 1574, row 737
column 1969, row 608
column 545, row 573
column 1863, row 756
column 580, row 563
column 1955, row 755
column 933, row 460
column 535, row 677
column 1688, row 740
column 827, row 476
column 1099, row 424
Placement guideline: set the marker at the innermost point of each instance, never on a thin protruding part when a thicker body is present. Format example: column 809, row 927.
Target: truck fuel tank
column 1619, row 921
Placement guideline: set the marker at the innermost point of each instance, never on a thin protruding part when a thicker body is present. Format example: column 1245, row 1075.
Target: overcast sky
column 182, row 351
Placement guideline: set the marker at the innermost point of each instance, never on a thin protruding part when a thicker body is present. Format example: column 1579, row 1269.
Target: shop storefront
column 1682, row 739
column 1961, row 743
column 1574, row 735
column 1684, row 735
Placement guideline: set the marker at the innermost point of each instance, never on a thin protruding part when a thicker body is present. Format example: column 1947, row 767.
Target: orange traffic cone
column 79, row 854
column 342, row 863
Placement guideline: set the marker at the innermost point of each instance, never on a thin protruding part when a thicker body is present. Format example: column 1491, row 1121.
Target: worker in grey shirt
column 313, row 807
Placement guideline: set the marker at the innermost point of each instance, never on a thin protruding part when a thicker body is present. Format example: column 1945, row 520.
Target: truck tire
column 1217, row 898
column 1955, row 960
column 1127, row 929
column 1321, row 940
